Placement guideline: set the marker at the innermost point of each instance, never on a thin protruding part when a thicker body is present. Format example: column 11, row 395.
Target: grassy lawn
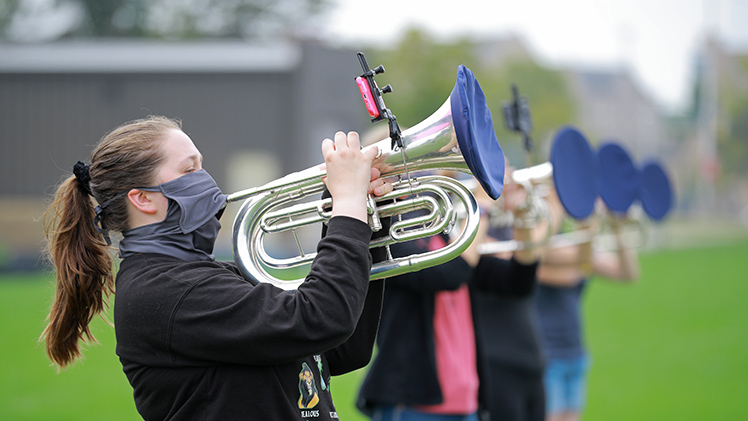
column 30, row 387
column 671, row 347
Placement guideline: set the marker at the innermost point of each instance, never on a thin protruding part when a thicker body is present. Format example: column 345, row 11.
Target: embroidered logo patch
column 308, row 397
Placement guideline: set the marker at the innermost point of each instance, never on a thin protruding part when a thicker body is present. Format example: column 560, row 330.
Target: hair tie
column 81, row 172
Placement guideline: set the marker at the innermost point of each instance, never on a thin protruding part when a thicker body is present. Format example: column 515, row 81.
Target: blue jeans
column 566, row 384
column 402, row 413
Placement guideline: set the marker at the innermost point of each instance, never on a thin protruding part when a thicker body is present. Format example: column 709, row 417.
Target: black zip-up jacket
column 199, row 342
column 404, row 369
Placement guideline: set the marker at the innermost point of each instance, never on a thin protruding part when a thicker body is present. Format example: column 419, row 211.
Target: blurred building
column 256, row 112
column 610, row 104
column 612, row 107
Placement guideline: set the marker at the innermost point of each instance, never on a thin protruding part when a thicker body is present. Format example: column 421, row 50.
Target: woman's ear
column 142, row 201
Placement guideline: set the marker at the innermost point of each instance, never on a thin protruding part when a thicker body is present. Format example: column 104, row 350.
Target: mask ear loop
column 98, row 218
column 99, row 221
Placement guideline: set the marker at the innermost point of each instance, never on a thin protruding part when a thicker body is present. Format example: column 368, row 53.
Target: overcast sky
column 656, row 40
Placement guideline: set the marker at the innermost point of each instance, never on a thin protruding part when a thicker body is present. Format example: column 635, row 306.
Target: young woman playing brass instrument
column 197, row 340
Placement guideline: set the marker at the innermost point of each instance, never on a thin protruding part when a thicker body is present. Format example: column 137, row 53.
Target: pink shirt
column 454, row 339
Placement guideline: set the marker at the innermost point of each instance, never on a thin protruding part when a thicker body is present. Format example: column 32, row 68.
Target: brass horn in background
column 459, row 136
column 627, row 194
column 572, row 171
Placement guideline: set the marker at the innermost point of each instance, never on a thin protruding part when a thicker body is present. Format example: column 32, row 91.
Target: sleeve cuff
column 349, row 227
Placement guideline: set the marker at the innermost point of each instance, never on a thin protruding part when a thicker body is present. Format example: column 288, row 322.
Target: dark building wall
column 325, row 101
column 48, row 122
column 49, row 119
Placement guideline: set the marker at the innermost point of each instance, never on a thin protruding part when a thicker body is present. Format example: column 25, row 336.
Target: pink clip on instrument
column 368, row 97
column 372, row 96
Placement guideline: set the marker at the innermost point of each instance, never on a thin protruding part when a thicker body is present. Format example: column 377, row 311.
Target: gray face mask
column 191, row 226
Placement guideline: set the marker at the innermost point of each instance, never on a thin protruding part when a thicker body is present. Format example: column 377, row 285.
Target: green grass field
column 673, row 346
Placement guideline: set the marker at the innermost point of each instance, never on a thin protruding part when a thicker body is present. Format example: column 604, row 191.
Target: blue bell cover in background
column 475, row 133
column 575, row 172
column 619, row 177
column 655, row 193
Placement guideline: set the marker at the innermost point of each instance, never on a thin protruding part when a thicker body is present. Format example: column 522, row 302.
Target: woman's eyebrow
column 192, row 158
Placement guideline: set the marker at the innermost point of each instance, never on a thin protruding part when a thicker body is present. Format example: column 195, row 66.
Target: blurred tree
column 732, row 121
column 732, row 138
column 422, row 73
column 717, row 177
column 549, row 97
column 8, row 9
column 42, row 20
column 735, row 152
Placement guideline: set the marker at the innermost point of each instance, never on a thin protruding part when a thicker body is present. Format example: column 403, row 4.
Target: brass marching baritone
column 572, row 171
column 627, row 193
column 458, row 136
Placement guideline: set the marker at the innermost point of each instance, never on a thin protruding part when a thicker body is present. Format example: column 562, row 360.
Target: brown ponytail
column 126, row 158
column 84, row 271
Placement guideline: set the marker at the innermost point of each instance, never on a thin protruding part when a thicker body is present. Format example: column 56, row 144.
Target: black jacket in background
column 404, row 369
